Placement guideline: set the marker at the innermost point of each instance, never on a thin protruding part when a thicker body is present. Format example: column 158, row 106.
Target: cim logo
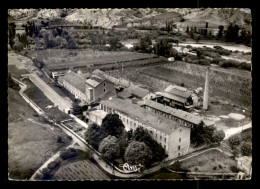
column 131, row 168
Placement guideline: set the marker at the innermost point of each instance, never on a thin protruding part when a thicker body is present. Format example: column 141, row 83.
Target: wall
column 184, row 134
column 99, row 90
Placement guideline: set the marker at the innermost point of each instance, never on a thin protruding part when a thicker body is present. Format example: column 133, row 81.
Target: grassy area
column 17, row 72
column 56, row 58
column 37, row 96
column 29, row 144
column 210, row 161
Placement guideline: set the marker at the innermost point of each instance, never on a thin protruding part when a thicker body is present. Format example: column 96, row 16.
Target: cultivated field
column 30, row 144
column 80, row 170
column 211, row 161
column 57, row 58
column 230, row 85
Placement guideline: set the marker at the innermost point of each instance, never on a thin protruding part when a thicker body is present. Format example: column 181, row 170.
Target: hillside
column 155, row 16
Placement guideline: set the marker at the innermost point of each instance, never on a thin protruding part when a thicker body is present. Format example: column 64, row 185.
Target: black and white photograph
column 108, row 94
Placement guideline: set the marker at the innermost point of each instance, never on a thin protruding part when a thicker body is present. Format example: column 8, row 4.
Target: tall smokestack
column 206, row 91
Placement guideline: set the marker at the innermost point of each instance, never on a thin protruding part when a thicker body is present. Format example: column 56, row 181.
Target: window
column 104, row 84
column 104, row 90
column 151, row 132
column 134, row 124
column 180, row 130
column 165, row 140
column 179, row 154
column 179, row 147
column 179, row 139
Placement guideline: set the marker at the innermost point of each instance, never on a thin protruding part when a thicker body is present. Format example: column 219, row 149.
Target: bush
column 246, row 149
column 71, row 152
column 52, row 165
column 234, row 140
column 234, row 169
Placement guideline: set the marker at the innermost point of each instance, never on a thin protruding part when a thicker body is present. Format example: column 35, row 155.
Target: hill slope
column 156, row 16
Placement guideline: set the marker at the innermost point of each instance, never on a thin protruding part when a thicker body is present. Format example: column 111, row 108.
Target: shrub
column 234, row 169
column 59, row 139
column 234, row 140
column 52, row 165
column 71, row 152
column 246, row 149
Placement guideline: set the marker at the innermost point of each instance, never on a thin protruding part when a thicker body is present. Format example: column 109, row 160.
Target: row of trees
column 114, row 142
column 233, row 33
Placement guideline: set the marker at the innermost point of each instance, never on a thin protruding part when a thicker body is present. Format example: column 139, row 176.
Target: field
column 30, row 144
column 80, row 170
column 17, row 72
column 229, row 85
column 211, row 161
column 57, row 58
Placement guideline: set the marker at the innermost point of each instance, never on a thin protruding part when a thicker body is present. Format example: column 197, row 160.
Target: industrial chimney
column 206, row 91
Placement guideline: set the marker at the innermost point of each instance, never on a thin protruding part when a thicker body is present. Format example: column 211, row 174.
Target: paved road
column 232, row 131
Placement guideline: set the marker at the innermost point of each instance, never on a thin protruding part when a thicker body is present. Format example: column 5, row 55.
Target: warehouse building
column 174, row 137
column 85, row 87
column 183, row 118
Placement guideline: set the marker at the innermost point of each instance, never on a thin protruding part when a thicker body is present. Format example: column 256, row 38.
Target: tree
column 232, row 33
column 112, row 125
column 145, row 44
column 188, row 29
column 94, row 135
column 162, row 48
column 142, row 135
column 11, row 34
column 123, row 141
column 114, row 43
column 220, row 31
column 138, row 153
column 201, row 134
column 205, row 32
column 234, row 140
column 246, row 149
column 218, row 136
column 109, row 148
column 206, row 25
column 199, row 53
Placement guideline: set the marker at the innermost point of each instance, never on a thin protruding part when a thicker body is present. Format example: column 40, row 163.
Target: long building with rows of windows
column 173, row 137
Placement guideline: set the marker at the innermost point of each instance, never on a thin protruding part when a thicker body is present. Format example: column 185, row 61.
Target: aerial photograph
column 129, row 94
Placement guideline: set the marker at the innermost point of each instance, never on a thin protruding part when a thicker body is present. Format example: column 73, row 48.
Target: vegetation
column 138, row 153
column 142, row 135
column 218, row 136
column 94, row 135
column 11, row 34
column 201, row 134
column 112, row 125
column 109, row 148
column 246, row 148
column 234, row 141
column 12, row 84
